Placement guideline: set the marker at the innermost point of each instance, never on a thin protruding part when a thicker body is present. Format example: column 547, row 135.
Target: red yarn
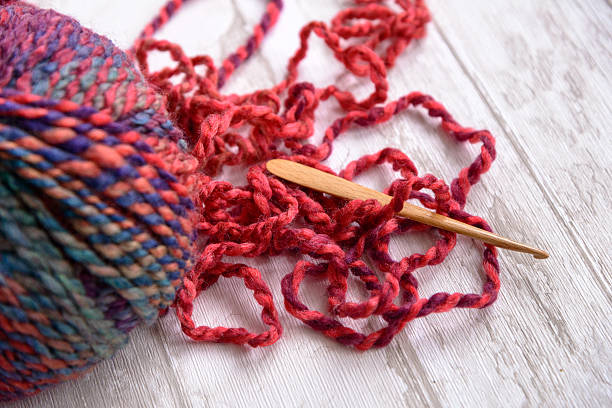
column 269, row 216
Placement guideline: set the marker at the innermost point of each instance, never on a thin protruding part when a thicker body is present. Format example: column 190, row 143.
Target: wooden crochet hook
column 327, row 183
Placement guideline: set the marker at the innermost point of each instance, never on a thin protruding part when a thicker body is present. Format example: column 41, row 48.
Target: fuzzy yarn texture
column 111, row 213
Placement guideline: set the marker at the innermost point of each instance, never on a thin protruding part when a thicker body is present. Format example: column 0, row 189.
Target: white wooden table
column 536, row 73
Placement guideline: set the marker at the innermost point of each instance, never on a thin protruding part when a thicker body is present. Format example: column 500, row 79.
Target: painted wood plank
column 543, row 343
column 550, row 61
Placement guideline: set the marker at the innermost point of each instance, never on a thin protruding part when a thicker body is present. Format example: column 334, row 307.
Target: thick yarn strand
column 262, row 217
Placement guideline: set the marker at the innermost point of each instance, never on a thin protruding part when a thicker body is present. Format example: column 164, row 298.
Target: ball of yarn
column 94, row 215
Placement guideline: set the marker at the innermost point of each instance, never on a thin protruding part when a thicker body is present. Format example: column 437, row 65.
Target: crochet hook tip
column 539, row 254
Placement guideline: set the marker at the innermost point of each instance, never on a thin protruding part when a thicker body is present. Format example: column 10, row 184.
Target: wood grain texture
column 536, row 75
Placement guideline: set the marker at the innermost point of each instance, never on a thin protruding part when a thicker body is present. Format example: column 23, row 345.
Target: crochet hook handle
column 327, row 183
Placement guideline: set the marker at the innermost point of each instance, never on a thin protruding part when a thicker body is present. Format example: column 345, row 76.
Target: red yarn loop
column 268, row 216
column 194, row 285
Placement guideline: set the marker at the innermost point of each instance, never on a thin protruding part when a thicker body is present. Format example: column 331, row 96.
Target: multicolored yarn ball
column 96, row 229
column 110, row 213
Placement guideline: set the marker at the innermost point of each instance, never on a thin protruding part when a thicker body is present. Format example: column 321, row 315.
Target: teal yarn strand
column 30, row 254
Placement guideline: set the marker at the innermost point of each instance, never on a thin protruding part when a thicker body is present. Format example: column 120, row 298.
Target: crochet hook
column 327, row 183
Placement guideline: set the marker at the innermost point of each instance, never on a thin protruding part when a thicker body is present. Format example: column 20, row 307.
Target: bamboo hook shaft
column 337, row 186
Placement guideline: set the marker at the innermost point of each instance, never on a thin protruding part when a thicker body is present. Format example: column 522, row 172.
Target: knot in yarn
column 94, row 219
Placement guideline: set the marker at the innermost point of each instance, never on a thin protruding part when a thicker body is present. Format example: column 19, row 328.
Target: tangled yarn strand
column 268, row 217
column 234, row 60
